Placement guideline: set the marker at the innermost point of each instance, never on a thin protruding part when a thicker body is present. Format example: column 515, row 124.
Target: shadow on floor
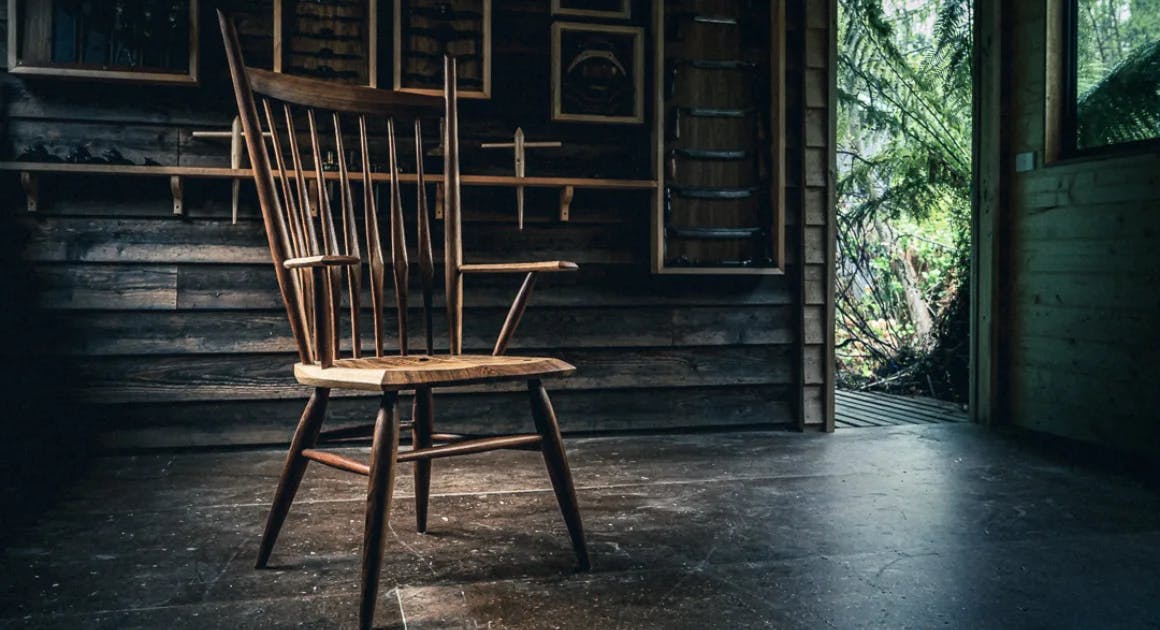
column 918, row 526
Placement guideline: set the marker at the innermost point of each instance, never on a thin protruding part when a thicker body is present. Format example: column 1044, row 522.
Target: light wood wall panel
column 1083, row 264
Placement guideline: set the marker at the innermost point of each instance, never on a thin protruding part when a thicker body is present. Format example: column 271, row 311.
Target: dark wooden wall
column 175, row 328
column 1078, row 262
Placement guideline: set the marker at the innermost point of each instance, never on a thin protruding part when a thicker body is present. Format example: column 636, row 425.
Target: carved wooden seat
column 323, row 246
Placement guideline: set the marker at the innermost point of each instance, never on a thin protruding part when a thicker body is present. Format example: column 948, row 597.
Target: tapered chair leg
column 557, row 461
column 380, row 487
column 305, row 436
column 423, row 425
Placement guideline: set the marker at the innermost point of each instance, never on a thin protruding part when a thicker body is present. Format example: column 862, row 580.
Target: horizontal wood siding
column 1084, row 234
column 174, row 325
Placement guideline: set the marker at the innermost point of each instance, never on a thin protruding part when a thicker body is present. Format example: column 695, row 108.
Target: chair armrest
column 311, row 262
column 522, row 267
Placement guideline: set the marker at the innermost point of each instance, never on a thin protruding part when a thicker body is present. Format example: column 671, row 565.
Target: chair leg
column 384, row 453
column 423, row 425
column 305, row 436
column 557, row 462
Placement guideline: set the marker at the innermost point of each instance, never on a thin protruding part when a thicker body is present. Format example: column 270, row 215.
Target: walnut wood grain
column 330, row 246
column 471, row 446
column 322, row 94
column 325, row 324
column 452, row 239
column 297, row 233
column 406, row 372
column 305, row 437
column 426, row 254
column 375, row 262
column 311, row 254
column 349, row 239
column 399, row 261
column 310, row 262
column 262, row 179
column 335, row 460
column 515, row 314
column 422, row 435
column 556, row 460
column 524, row 267
column 380, row 487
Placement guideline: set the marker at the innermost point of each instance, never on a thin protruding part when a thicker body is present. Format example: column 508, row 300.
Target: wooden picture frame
column 576, row 44
column 292, row 51
column 610, row 9
column 474, row 68
column 32, row 21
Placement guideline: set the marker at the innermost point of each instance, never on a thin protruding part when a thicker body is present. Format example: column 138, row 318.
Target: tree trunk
column 903, row 266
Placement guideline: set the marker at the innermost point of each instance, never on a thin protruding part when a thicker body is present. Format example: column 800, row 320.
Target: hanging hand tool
column 519, row 145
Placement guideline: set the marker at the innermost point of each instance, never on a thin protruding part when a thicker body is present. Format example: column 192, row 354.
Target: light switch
column 1025, row 162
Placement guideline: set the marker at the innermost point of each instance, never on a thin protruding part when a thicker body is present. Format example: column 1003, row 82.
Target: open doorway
column 903, row 213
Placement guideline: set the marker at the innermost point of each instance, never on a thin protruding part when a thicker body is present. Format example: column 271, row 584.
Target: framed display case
column 335, row 40
column 147, row 41
column 597, row 73
column 611, row 9
column 425, row 29
column 718, row 128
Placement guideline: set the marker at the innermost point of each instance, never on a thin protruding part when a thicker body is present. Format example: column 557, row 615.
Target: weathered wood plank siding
column 1084, row 263
column 176, row 323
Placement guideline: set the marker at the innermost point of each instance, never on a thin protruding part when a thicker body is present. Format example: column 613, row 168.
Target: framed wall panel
column 145, row 41
column 611, row 9
column 424, row 29
column 327, row 40
column 597, row 73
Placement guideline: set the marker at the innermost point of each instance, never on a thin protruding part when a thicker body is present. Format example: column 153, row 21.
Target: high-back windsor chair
column 317, row 256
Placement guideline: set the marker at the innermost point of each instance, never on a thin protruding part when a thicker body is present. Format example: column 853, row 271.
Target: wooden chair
column 317, row 256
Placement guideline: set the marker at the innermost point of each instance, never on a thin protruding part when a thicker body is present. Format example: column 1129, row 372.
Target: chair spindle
column 263, row 179
column 300, row 248
column 374, row 244
column 398, row 238
column 426, row 255
column 306, row 208
column 333, row 275
column 350, row 241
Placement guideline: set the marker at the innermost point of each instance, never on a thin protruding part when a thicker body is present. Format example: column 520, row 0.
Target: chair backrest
column 298, row 209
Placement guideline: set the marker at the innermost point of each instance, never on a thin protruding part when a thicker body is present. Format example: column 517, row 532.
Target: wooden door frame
column 989, row 380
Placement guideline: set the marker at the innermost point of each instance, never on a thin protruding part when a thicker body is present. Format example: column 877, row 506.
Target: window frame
column 1069, row 119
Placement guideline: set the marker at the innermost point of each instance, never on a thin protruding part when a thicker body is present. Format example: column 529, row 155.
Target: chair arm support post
column 324, row 323
column 515, row 313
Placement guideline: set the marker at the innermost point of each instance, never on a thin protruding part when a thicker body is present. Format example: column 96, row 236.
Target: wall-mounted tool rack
column 719, row 120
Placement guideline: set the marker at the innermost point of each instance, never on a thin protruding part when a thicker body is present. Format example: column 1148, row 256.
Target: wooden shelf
column 670, row 270
column 29, row 171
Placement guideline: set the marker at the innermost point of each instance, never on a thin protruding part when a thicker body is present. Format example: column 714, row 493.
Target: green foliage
column 1125, row 105
column 904, row 129
column 1117, row 71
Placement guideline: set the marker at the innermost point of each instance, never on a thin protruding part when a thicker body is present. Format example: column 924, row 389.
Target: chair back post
column 452, row 241
column 264, row 181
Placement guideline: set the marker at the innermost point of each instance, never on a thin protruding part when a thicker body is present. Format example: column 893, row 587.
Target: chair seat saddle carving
column 323, row 230
column 378, row 374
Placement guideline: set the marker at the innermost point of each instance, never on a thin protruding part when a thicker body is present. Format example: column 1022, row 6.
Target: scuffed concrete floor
column 936, row 526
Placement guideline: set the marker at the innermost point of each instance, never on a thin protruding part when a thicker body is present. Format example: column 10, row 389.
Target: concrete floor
column 926, row 526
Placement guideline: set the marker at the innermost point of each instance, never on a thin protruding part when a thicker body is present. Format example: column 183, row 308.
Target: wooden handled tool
column 520, row 145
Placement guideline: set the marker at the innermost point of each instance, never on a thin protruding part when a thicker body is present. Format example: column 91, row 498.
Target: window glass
column 1117, row 71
